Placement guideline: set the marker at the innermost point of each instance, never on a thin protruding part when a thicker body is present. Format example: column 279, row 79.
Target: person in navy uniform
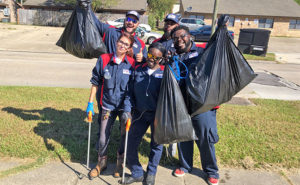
column 205, row 124
column 111, row 76
column 171, row 22
column 145, row 90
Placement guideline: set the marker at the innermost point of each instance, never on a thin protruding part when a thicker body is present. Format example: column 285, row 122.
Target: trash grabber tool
column 128, row 124
column 89, row 140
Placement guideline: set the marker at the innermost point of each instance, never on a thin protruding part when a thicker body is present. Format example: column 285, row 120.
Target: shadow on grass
column 65, row 135
column 70, row 129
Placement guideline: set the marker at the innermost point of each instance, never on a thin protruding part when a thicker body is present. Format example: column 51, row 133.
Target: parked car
column 147, row 36
column 191, row 23
column 119, row 23
column 203, row 34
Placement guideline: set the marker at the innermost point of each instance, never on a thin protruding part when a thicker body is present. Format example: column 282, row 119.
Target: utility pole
column 215, row 13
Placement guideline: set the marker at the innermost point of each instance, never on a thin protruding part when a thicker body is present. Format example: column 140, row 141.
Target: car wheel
column 150, row 40
column 192, row 37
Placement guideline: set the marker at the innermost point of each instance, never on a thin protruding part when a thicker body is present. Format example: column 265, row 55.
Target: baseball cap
column 134, row 13
column 172, row 17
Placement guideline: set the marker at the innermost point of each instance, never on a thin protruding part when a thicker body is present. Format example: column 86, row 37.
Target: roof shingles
column 280, row 8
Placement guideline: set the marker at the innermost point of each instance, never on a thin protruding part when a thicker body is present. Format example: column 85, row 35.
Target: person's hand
column 84, row 3
column 90, row 108
column 139, row 56
column 125, row 116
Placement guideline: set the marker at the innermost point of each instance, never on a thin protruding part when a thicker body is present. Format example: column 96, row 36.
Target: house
column 8, row 11
column 123, row 6
column 48, row 12
column 281, row 17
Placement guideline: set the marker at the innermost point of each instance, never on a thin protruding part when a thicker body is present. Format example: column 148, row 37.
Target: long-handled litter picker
column 128, row 124
column 89, row 140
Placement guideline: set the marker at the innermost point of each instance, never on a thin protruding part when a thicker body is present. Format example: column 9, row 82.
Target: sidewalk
column 57, row 173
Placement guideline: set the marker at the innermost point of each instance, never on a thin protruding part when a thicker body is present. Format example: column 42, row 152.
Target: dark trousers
column 136, row 133
column 106, row 120
column 205, row 126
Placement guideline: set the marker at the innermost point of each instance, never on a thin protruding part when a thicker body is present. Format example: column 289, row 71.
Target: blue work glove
column 89, row 108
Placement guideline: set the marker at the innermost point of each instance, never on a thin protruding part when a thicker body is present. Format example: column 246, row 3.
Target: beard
column 180, row 50
column 125, row 29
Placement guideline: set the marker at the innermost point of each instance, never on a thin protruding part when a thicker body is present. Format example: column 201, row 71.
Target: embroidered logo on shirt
column 126, row 72
column 192, row 55
column 158, row 75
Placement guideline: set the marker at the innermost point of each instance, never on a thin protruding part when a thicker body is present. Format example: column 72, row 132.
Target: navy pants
column 205, row 126
column 136, row 133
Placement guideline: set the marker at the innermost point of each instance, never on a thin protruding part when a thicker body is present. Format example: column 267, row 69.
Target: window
column 294, row 24
column 197, row 17
column 184, row 20
column 265, row 23
column 120, row 20
column 200, row 22
column 231, row 22
column 192, row 21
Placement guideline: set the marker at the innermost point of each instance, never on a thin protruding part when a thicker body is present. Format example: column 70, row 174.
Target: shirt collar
column 123, row 60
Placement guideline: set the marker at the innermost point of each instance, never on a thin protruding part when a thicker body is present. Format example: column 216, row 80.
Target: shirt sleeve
column 97, row 73
column 128, row 102
column 102, row 27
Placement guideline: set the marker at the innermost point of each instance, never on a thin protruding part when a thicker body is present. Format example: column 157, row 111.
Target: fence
column 60, row 18
column 44, row 17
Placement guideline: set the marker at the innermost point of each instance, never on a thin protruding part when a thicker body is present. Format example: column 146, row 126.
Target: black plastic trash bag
column 221, row 72
column 172, row 122
column 81, row 37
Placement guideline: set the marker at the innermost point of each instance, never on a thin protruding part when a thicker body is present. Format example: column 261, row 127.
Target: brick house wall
column 280, row 24
column 12, row 6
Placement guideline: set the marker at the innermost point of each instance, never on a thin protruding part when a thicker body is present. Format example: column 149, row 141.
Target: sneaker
column 212, row 181
column 179, row 173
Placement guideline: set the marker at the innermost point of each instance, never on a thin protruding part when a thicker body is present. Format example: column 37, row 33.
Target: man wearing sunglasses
column 110, row 34
column 171, row 22
column 205, row 124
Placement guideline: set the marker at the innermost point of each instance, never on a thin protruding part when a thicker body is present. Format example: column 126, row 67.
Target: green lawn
column 50, row 124
column 268, row 57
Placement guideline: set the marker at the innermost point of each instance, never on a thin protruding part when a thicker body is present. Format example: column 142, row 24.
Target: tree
column 158, row 9
column 96, row 4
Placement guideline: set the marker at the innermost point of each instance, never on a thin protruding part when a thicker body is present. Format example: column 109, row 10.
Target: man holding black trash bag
column 205, row 124
column 110, row 34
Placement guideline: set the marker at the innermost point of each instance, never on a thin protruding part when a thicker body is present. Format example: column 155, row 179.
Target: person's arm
column 86, row 6
column 94, row 90
column 95, row 80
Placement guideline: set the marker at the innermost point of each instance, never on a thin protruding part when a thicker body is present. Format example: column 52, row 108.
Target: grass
column 298, row 1
column 268, row 57
column 50, row 123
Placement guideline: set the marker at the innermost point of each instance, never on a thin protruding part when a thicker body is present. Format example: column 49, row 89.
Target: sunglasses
column 152, row 57
column 181, row 36
column 128, row 19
